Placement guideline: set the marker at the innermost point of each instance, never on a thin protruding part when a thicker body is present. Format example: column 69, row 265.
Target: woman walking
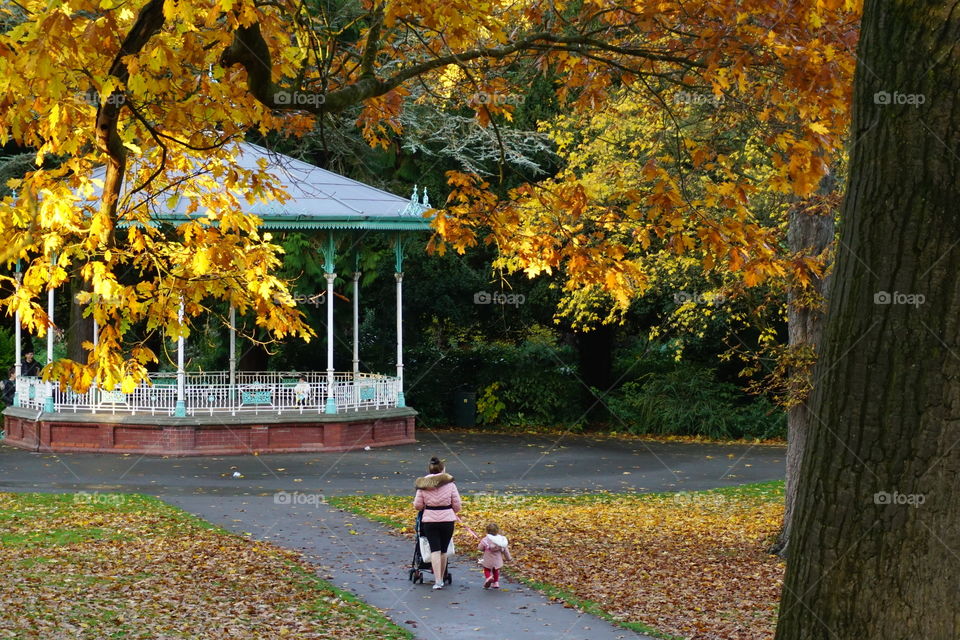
column 438, row 498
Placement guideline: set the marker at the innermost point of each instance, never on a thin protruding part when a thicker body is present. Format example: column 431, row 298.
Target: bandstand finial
column 426, row 198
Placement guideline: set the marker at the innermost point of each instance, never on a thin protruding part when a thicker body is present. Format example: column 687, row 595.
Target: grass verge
column 119, row 566
column 574, row 432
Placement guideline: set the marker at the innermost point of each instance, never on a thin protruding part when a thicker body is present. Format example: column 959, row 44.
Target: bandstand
column 235, row 412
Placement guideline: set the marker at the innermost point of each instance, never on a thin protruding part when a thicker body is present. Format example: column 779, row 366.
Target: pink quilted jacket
column 494, row 551
column 437, row 490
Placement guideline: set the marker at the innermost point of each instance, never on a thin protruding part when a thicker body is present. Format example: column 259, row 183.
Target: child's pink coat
column 494, row 550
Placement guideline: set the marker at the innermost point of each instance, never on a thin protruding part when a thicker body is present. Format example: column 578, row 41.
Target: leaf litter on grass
column 689, row 564
column 135, row 568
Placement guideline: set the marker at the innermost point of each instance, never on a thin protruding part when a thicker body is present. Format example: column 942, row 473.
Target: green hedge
column 7, row 350
column 532, row 383
column 689, row 400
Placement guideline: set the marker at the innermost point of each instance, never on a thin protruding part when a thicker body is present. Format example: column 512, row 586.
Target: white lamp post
column 181, row 408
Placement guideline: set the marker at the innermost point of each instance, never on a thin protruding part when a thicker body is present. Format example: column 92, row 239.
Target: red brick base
column 62, row 432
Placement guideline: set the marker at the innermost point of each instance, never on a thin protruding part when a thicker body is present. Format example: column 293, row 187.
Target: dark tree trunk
column 251, row 357
column 875, row 550
column 80, row 329
column 595, row 362
column 595, row 352
column 810, row 233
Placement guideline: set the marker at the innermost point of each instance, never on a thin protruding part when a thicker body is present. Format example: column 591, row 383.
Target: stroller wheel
column 448, row 578
column 410, row 575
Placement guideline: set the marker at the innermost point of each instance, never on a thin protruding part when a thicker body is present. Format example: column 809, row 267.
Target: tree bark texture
column 812, row 234
column 876, row 539
column 80, row 329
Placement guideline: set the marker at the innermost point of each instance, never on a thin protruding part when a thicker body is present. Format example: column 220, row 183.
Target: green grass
column 350, row 504
column 761, row 492
column 55, row 537
column 590, row 607
column 772, row 491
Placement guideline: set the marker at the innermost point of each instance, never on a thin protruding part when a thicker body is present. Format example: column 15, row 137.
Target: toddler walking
column 494, row 548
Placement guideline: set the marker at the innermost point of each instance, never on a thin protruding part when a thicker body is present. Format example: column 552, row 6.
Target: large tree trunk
column 595, row 355
column 595, row 359
column 876, row 539
column 809, row 232
column 80, row 329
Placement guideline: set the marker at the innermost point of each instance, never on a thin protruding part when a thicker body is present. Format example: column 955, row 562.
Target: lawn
column 99, row 566
column 689, row 565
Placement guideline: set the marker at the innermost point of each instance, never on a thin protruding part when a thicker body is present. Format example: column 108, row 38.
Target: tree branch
column 250, row 50
column 106, row 135
column 372, row 45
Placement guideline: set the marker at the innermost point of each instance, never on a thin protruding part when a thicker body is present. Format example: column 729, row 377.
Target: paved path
column 372, row 563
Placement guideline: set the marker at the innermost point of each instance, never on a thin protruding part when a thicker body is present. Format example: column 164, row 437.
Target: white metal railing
column 212, row 393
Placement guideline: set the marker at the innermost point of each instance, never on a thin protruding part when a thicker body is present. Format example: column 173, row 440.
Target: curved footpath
column 362, row 556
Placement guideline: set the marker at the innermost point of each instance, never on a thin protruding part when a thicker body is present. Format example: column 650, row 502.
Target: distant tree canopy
column 156, row 90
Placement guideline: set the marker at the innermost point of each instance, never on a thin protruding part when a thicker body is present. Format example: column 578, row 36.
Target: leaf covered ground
column 96, row 566
column 690, row 565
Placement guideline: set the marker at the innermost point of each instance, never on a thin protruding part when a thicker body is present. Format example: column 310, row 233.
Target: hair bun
column 434, row 460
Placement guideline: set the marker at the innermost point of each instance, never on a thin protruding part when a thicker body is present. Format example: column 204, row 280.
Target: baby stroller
column 419, row 563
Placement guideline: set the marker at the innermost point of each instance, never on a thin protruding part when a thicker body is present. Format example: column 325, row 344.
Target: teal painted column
column 50, row 329
column 18, row 339
column 180, row 411
column 328, row 268
column 48, row 404
column 233, row 356
column 356, row 320
column 398, row 247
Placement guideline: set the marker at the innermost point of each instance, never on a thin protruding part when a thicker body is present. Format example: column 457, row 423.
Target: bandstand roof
column 319, row 199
